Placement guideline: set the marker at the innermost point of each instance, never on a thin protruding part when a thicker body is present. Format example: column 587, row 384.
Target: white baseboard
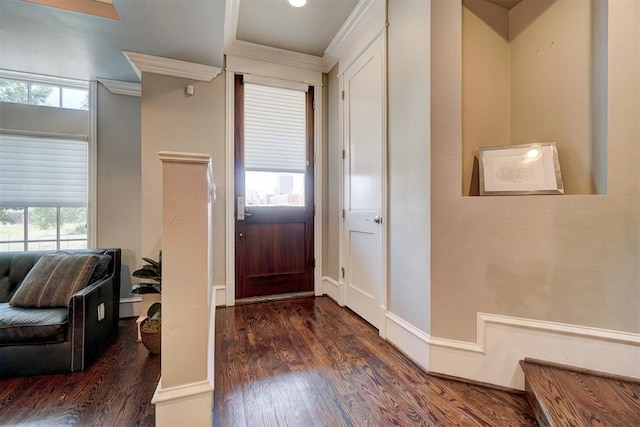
column 329, row 287
column 130, row 307
column 220, row 295
column 333, row 289
column 504, row 340
column 408, row 339
column 188, row 404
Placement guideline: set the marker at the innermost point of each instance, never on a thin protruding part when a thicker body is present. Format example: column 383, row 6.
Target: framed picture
column 520, row 169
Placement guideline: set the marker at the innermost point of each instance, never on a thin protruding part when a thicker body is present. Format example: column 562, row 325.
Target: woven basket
column 151, row 339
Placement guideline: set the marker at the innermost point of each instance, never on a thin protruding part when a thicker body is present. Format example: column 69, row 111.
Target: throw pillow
column 102, row 266
column 53, row 280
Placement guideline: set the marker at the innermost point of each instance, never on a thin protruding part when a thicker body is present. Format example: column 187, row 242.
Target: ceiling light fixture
column 297, row 3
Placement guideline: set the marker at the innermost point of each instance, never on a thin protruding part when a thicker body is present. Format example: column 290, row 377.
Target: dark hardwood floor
column 308, row 362
column 568, row 396
column 303, row 362
column 116, row 391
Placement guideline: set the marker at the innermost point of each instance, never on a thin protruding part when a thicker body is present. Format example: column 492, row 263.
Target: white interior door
column 364, row 224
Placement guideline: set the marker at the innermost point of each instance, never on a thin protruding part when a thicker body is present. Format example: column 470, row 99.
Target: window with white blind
column 43, row 193
column 275, row 157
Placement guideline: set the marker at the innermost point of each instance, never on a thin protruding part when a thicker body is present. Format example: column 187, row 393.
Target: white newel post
column 185, row 393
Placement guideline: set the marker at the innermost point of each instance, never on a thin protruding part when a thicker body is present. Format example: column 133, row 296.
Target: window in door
column 274, row 146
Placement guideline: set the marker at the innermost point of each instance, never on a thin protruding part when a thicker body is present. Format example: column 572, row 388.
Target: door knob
column 377, row 219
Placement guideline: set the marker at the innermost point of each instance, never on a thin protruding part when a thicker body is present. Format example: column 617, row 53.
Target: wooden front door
column 273, row 189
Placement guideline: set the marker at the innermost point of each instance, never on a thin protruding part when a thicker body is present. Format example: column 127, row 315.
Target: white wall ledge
column 142, row 62
column 122, row 88
column 179, row 157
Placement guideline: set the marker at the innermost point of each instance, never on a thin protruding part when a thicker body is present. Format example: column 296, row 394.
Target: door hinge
column 343, row 213
column 342, row 94
column 344, row 154
column 343, row 272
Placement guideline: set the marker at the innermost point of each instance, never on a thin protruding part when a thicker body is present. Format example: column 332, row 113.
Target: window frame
column 58, row 240
column 59, row 82
column 91, row 215
column 91, row 138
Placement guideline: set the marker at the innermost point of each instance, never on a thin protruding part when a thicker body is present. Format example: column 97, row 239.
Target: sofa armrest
column 88, row 335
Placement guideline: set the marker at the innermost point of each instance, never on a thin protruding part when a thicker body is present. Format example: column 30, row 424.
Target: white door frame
column 313, row 79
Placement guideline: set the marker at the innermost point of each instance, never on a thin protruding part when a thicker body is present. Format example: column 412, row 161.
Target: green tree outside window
column 17, row 92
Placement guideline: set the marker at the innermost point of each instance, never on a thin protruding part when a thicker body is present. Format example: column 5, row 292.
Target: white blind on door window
column 42, row 172
column 274, row 129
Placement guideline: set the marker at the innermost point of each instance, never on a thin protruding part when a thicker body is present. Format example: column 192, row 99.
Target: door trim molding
column 332, row 288
column 318, row 100
column 230, row 229
column 230, row 293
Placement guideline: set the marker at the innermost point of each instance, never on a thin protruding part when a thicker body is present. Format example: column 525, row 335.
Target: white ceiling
column 308, row 29
column 46, row 40
column 51, row 41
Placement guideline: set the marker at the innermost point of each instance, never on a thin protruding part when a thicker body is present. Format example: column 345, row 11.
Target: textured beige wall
column 536, row 73
column 408, row 222
column 119, row 214
column 485, row 81
column 570, row 259
column 551, row 87
column 118, row 157
column 173, row 121
column 185, row 294
column 43, row 119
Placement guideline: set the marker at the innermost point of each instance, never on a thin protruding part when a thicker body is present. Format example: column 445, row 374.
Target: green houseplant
column 150, row 328
column 151, row 274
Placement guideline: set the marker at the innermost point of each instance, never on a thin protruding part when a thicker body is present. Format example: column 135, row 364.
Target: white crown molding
column 277, row 56
column 122, row 88
column 364, row 11
column 171, row 67
column 329, row 62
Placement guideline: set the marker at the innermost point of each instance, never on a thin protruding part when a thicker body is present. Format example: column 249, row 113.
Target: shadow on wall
column 125, row 281
column 478, row 7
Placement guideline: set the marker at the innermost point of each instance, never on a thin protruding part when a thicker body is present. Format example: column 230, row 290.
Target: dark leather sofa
column 36, row 341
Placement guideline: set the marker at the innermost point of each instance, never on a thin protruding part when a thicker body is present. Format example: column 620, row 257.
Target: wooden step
column 562, row 395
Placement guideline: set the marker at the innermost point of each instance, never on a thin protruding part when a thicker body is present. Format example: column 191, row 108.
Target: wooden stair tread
column 567, row 396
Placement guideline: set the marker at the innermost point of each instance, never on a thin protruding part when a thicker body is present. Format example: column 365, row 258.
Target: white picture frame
column 520, row 169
